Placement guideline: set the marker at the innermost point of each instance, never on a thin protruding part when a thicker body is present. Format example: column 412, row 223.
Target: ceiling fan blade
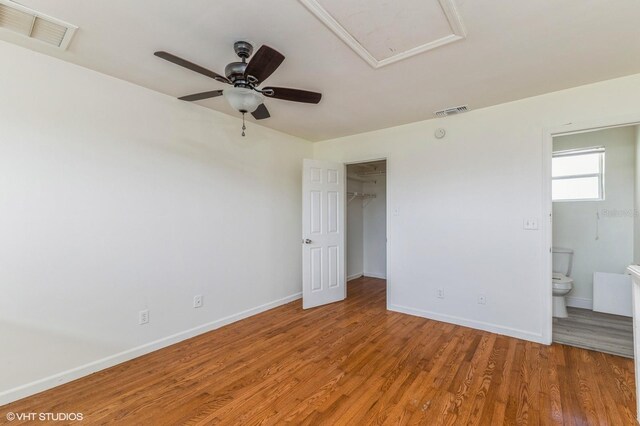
column 200, row 96
column 264, row 63
column 261, row 112
column 295, row 95
column 190, row 65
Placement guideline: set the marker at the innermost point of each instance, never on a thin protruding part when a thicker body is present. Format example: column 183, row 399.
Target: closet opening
column 366, row 226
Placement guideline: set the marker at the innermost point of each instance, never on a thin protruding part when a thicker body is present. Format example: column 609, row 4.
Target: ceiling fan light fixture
column 243, row 99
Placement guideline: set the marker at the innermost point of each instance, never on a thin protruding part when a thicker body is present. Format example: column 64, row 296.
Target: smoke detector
column 35, row 25
column 451, row 111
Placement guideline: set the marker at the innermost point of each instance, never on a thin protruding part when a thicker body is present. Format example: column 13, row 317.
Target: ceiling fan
column 245, row 77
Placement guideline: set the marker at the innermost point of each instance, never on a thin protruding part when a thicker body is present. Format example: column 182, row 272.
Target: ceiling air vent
column 451, row 111
column 35, row 25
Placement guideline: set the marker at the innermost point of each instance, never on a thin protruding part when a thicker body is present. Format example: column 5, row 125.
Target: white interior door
column 323, row 233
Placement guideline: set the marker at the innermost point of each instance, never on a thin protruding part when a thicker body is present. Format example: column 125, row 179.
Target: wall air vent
column 35, row 25
column 451, row 111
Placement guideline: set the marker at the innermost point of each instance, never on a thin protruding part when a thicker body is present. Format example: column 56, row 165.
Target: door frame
column 360, row 160
column 548, row 134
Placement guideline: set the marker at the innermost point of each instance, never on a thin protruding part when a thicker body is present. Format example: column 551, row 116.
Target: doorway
column 595, row 236
column 366, row 222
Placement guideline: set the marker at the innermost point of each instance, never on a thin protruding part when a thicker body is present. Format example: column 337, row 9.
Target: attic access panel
column 386, row 31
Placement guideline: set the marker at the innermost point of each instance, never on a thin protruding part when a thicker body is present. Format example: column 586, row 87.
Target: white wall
column 461, row 202
column 636, row 215
column 116, row 199
column 576, row 224
column 375, row 226
column 355, row 228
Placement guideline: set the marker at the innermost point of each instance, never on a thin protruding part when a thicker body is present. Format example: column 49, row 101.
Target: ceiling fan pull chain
column 243, row 126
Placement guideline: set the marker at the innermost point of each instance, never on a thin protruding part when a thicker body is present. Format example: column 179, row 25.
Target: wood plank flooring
column 351, row 363
column 587, row 329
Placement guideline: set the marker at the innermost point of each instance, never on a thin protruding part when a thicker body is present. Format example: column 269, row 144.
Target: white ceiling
column 513, row 49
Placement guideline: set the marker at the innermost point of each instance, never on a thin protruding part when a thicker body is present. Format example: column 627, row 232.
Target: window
column 578, row 175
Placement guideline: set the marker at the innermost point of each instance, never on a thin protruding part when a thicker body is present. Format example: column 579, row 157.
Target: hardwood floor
column 351, row 363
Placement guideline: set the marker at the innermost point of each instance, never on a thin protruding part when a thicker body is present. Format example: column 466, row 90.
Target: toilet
column 562, row 284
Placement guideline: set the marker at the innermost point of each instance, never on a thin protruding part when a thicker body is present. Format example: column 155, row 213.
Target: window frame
column 600, row 174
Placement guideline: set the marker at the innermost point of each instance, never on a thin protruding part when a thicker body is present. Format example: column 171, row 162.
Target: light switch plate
column 197, row 301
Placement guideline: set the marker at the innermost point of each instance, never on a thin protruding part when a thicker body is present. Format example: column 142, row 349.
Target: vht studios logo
column 44, row 417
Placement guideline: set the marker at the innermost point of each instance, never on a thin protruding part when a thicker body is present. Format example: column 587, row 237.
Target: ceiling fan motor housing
column 235, row 71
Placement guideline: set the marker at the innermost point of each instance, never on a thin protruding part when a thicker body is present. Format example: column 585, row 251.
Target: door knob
column 307, row 241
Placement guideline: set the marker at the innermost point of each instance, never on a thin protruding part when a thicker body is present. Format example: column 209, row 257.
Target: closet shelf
column 362, row 195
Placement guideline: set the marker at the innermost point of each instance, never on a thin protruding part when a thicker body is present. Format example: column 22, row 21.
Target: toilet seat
column 562, row 282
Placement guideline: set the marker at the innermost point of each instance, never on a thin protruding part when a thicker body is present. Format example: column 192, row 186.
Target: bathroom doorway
column 595, row 236
column 366, row 219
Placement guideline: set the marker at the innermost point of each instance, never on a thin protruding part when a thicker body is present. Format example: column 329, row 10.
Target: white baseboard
column 579, row 302
column 480, row 325
column 92, row 367
column 354, row 276
column 374, row 275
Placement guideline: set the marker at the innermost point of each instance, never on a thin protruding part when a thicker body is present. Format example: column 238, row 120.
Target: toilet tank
column 562, row 259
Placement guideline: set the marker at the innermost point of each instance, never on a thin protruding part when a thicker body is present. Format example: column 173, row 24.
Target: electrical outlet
column 530, row 224
column 197, row 301
column 440, row 293
column 482, row 299
column 143, row 317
